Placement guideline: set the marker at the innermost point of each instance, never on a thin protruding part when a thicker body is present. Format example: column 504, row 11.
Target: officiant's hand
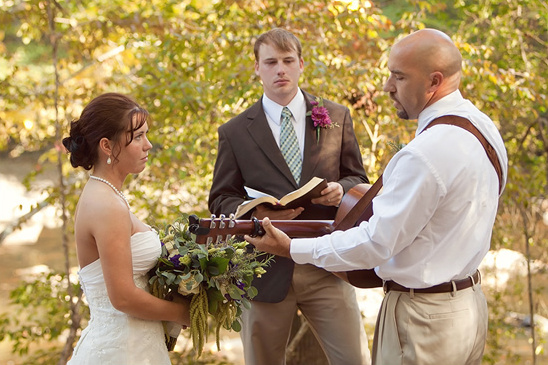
column 331, row 196
column 274, row 241
column 262, row 212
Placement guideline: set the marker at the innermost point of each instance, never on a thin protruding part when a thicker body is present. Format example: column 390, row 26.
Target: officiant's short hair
column 280, row 38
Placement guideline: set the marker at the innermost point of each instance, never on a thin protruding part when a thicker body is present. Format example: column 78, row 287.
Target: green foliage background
column 191, row 64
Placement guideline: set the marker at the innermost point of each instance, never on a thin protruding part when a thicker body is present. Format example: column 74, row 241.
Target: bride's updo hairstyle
column 112, row 116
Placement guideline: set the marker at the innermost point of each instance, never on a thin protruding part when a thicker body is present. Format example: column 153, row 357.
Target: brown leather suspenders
column 466, row 124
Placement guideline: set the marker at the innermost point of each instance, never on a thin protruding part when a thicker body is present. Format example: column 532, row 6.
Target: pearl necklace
column 113, row 188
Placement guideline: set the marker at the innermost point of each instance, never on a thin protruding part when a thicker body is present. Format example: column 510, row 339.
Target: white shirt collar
column 297, row 106
column 441, row 107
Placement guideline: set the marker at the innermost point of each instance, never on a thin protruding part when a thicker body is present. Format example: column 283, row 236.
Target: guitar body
column 352, row 210
column 349, row 204
column 366, row 278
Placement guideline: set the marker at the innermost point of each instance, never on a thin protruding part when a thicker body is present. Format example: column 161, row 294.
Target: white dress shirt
column 273, row 112
column 432, row 223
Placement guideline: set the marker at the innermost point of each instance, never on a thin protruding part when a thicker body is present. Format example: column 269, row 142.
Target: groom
column 251, row 153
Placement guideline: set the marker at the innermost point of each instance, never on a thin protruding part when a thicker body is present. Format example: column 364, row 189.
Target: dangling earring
column 109, row 161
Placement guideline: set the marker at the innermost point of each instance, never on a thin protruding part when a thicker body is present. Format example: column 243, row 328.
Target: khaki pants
column 328, row 303
column 431, row 329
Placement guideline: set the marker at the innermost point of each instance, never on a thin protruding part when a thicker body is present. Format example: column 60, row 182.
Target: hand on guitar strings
column 274, row 241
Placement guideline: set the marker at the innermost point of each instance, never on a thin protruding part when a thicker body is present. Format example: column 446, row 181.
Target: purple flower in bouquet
column 320, row 117
column 175, row 260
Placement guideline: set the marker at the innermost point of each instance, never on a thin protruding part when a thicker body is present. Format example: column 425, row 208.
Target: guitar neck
column 217, row 230
column 300, row 228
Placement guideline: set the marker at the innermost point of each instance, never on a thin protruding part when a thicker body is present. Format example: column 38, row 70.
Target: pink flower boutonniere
column 320, row 117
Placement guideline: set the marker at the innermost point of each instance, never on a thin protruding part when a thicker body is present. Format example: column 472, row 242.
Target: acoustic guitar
column 355, row 207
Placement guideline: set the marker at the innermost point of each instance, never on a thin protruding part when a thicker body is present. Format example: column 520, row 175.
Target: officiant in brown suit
column 274, row 147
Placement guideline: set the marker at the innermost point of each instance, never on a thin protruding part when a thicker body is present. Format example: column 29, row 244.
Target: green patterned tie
column 289, row 145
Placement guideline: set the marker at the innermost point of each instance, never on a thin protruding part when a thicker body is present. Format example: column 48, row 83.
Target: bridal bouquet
column 216, row 277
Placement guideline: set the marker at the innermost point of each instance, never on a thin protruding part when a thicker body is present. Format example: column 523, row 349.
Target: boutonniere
column 320, row 117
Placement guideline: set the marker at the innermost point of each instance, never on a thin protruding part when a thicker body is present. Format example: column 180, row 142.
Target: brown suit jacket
column 249, row 156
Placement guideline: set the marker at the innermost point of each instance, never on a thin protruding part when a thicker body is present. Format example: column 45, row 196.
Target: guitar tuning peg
column 193, row 223
column 232, row 218
column 193, row 219
column 222, row 221
column 212, row 224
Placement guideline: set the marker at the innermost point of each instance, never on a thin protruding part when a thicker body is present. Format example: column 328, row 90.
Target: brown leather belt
column 441, row 288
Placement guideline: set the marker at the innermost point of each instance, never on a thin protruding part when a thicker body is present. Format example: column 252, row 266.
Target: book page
column 294, row 199
column 253, row 194
column 313, row 187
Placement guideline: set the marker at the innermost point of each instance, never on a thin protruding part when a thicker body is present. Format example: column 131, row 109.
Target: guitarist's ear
column 436, row 80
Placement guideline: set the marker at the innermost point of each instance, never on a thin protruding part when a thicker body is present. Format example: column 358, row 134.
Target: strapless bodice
column 113, row 337
column 145, row 250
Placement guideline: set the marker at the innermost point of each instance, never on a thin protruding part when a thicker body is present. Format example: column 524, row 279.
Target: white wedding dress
column 113, row 337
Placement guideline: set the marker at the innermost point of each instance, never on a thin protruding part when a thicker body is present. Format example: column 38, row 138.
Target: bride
column 115, row 249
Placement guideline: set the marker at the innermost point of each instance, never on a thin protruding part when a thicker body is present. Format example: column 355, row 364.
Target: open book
column 294, row 199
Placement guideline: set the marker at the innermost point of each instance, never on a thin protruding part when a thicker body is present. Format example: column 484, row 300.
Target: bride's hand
column 183, row 317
